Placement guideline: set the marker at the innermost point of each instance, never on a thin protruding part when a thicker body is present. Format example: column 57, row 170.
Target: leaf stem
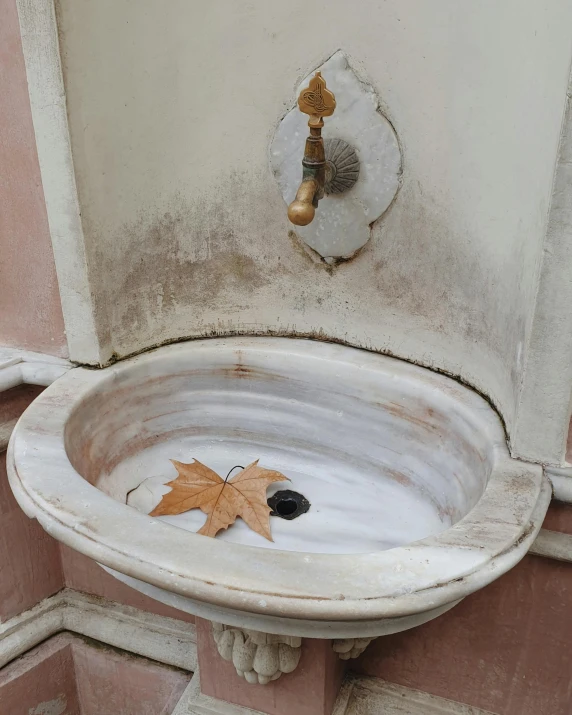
column 238, row 466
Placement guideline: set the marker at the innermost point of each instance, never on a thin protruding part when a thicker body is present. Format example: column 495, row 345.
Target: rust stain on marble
column 419, row 420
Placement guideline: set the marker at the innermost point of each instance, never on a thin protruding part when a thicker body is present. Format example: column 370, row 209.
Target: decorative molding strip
column 193, row 702
column 173, row 642
column 561, row 479
column 166, row 640
column 19, row 367
column 19, row 634
column 40, row 44
column 359, row 695
column 553, row 545
column 363, row 695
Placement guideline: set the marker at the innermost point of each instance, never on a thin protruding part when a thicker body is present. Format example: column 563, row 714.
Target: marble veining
column 415, row 499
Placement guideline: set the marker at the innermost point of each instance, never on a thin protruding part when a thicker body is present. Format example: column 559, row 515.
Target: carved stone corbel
column 258, row 657
column 347, row 648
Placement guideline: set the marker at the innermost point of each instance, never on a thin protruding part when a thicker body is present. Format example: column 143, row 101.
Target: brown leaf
column 244, row 495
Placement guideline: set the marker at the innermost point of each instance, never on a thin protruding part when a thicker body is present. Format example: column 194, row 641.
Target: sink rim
column 445, row 567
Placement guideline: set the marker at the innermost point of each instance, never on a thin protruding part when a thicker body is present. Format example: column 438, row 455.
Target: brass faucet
column 318, row 102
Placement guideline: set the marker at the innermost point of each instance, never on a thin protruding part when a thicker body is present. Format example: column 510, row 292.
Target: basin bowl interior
column 386, row 453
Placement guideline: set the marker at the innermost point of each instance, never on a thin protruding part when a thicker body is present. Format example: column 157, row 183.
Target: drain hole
column 288, row 504
column 286, row 507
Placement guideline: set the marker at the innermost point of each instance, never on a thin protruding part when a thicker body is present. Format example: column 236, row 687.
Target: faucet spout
column 302, row 210
column 318, row 102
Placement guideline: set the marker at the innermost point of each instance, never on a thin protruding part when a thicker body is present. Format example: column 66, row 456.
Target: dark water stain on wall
column 230, row 253
column 186, row 257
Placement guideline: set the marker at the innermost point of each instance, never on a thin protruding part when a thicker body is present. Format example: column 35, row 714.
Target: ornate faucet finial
column 318, row 102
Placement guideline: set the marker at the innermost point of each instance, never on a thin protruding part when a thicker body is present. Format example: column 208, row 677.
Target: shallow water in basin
column 352, row 509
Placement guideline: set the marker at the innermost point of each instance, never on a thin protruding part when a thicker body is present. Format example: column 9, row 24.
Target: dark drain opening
column 286, row 507
column 288, row 504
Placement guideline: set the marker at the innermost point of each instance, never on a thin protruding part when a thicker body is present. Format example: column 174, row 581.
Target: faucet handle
column 317, row 101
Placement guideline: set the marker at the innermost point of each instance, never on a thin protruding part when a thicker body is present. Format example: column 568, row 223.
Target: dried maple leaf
column 244, row 495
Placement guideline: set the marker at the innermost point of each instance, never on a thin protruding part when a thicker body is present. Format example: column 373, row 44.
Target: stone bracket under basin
column 263, row 657
column 258, row 657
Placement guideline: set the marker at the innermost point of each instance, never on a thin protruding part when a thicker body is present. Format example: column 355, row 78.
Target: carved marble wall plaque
column 343, row 220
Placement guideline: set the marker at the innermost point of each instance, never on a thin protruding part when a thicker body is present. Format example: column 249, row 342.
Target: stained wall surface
column 172, row 108
column 30, row 308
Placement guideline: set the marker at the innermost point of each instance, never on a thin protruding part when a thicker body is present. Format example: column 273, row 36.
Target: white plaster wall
column 172, row 107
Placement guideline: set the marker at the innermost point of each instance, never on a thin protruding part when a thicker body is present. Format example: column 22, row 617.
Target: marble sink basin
column 415, row 501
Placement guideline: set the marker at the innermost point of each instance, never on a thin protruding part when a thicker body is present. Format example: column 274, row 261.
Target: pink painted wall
column 29, row 558
column 41, row 682
column 14, row 402
column 310, row 690
column 68, row 675
column 507, row 648
column 30, row 566
column 559, row 518
column 83, row 574
column 30, row 309
column 113, row 682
